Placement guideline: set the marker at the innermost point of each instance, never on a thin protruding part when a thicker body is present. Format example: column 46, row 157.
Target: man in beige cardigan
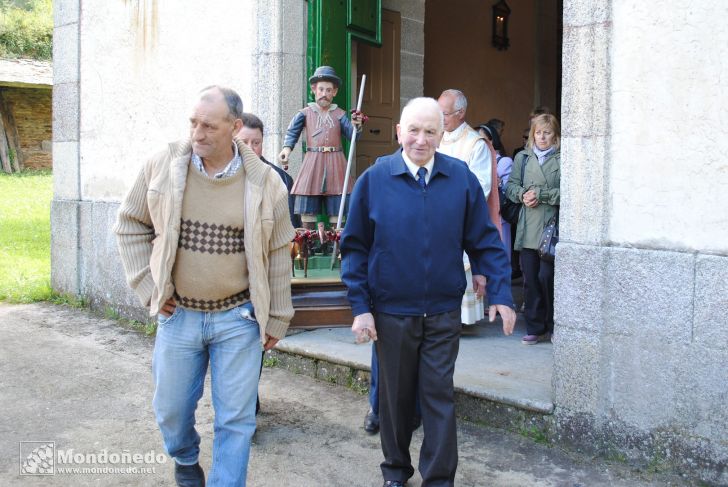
column 203, row 235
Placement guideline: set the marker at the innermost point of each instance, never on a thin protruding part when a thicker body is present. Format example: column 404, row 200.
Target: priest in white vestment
column 462, row 141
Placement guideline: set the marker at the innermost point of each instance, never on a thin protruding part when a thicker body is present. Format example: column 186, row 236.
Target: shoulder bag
column 509, row 210
column 549, row 239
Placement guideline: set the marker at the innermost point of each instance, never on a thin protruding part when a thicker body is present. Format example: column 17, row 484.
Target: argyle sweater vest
column 210, row 272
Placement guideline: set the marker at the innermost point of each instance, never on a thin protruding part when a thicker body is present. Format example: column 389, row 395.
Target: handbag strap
column 524, row 160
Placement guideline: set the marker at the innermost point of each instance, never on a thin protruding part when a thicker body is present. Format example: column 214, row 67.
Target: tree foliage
column 26, row 29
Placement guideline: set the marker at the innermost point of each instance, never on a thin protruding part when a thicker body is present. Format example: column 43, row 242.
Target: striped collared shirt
column 232, row 167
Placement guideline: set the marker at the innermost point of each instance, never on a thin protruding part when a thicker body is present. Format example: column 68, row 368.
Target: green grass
column 271, row 361
column 111, row 314
column 535, row 433
column 149, row 328
column 25, row 236
column 357, row 386
column 68, row 300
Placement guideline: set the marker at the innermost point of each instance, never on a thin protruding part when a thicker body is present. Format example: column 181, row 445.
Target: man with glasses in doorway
column 462, row 141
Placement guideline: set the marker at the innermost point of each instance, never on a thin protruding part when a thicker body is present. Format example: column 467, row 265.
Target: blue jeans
column 186, row 342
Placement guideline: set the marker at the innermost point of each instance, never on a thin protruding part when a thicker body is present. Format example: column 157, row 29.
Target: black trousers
column 417, row 359
column 539, row 276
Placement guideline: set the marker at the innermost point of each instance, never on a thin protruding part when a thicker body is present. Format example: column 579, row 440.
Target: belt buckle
column 326, row 149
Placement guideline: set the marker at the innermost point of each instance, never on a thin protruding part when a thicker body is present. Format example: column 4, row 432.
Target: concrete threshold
column 493, row 373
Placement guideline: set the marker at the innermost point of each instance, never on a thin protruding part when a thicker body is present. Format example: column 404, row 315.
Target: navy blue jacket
column 288, row 181
column 402, row 246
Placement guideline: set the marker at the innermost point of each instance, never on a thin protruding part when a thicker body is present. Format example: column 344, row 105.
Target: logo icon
column 37, row 457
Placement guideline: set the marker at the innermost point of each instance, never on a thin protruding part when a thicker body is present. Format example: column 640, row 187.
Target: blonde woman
column 537, row 187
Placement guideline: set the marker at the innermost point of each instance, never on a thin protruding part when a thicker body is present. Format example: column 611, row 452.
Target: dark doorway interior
column 505, row 84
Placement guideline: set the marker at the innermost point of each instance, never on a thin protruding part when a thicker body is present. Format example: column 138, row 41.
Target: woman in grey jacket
column 536, row 185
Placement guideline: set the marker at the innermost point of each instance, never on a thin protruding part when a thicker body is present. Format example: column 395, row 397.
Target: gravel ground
column 83, row 382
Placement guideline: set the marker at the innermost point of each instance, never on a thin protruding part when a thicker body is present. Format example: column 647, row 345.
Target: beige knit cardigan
column 148, row 226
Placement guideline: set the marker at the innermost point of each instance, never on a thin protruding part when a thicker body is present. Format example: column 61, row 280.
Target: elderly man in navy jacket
column 412, row 215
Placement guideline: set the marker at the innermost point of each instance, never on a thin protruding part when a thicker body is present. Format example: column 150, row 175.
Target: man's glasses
column 451, row 113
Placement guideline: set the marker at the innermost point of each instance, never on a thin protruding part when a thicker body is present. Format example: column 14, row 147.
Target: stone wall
column 65, row 251
column 642, row 271
column 279, row 69
column 31, row 108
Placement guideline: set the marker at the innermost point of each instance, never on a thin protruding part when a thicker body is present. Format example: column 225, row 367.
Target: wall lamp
column 501, row 13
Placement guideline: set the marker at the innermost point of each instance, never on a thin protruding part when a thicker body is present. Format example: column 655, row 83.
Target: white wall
column 127, row 73
column 139, row 78
column 669, row 120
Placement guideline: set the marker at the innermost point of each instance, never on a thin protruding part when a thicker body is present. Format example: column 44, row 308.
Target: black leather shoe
column 371, row 423
column 393, row 483
column 189, row 475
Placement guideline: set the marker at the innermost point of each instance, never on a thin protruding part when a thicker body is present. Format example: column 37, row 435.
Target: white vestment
column 466, row 144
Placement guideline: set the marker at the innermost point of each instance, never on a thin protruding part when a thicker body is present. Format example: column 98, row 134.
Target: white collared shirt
column 413, row 168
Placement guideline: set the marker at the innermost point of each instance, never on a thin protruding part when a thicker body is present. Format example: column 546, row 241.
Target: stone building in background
column 641, row 342
column 25, row 114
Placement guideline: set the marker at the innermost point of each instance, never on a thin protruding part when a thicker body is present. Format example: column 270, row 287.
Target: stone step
column 498, row 381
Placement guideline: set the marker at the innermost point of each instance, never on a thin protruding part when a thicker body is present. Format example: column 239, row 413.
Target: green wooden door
column 332, row 25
